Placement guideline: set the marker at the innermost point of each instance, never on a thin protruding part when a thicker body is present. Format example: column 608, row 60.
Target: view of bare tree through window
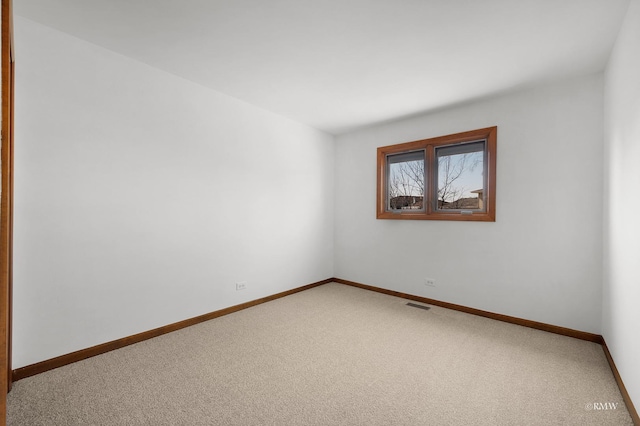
column 406, row 181
column 460, row 176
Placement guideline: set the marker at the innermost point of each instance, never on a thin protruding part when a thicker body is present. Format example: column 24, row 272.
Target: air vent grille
column 415, row 305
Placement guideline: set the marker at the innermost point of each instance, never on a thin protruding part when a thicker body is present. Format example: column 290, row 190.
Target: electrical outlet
column 429, row 282
column 241, row 285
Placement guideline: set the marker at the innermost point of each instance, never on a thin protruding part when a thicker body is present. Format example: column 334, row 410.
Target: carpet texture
column 333, row 355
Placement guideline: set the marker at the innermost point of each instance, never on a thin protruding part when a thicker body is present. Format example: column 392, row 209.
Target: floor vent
column 415, row 305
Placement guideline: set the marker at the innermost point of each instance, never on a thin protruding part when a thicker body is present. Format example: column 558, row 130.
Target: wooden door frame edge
column 6, row 209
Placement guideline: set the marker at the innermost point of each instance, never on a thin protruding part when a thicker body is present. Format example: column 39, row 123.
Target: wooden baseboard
column 50, row 364
column 596, row 338
column 623, row 390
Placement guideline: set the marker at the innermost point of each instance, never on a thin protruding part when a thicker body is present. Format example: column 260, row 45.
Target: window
column 445, row 178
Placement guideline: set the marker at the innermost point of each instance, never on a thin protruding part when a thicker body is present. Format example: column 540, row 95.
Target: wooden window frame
column 488, row 135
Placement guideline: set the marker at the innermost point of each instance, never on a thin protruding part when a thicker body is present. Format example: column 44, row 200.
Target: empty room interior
column 176, row 161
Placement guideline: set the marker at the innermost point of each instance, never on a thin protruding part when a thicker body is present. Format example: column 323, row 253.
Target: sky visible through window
column 460, row 174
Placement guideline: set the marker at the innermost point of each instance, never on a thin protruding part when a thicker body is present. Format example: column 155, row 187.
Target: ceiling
column 339, row 65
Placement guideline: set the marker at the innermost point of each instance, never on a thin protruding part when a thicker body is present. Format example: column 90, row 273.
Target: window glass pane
column 406, row 181
column 461, row 177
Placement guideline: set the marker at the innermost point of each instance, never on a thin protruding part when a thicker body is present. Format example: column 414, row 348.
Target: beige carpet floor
column 333, row 355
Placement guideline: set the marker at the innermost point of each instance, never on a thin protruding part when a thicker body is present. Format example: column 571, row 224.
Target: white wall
column 141, row 198
column 621, row 316
column 541, row 260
